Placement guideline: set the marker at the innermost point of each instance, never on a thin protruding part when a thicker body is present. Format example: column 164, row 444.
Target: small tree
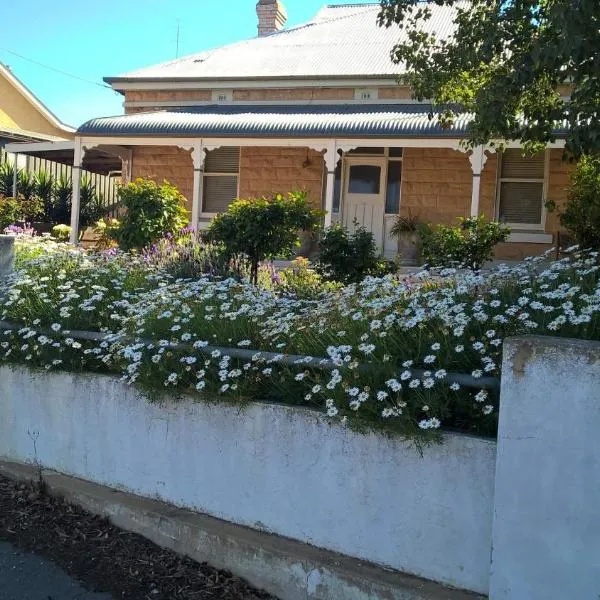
column 153, row 210
column 264, row 228
column 505, row 61
column 581, row 215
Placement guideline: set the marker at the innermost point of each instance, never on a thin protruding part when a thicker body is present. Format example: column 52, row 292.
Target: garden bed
column 105, row 558
column 390, row 343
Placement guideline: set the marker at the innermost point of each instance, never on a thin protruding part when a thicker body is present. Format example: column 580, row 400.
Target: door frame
column 366, row 159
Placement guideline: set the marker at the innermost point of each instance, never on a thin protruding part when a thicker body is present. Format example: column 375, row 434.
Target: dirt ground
column 103, row 558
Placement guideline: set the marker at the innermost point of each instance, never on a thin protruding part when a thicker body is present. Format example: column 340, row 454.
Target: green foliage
column 349, row 257
column 10, row 212
column 26, row 184
column 153, row 210
column 581, row 214
column 7, row 171
column 63, row 191
column 298, row 280
column 470, row 244
column 61, row 233
column 404, row 223
column 504, row 64
column 264, row 228
column 185, row 257
column 44, row 191
column 106, row 232
column 91, row 204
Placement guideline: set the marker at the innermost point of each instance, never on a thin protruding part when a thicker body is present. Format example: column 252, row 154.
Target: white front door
column 363, row 202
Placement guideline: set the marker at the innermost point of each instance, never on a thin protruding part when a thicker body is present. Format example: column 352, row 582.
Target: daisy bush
column 380, row 353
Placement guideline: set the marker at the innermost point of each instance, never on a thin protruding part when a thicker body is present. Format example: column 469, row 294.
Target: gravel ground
column 50, row 542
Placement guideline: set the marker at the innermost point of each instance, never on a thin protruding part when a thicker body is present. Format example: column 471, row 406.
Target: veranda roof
column 314, row 120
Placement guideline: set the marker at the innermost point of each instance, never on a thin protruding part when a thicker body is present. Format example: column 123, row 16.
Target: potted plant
column 405, row 229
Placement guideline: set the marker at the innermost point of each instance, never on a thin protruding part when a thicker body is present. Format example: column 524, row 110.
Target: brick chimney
column 271, row 16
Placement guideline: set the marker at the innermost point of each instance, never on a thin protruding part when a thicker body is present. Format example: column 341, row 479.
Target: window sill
column 531, row 237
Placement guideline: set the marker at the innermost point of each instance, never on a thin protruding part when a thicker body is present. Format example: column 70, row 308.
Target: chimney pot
column 271, row 16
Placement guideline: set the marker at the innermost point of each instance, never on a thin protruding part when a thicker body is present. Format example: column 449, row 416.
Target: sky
column 92, row 40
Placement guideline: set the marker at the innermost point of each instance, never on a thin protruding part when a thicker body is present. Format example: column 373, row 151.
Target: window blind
column 219, row 192
column 517, row 166
column 221, row 170
column 223, row 160
column 521, row 202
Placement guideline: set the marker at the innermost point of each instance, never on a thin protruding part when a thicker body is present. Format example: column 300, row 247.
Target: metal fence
column 105, row 185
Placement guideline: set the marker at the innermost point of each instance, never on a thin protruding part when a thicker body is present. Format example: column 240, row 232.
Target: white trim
column 531, row 237
column 34, row 101
column 541, row 226
column 318, row 144
column 26, row 147
column 241, row 84
column 75, row 196
column 184, row 103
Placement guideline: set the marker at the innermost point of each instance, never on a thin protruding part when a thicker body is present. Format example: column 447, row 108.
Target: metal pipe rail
column 325, row 364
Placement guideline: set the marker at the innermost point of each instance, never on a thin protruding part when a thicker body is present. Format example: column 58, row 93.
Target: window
column 521, row 189
column 221, row 173
column 337, row 188
column 364, row 179
column 392, row 194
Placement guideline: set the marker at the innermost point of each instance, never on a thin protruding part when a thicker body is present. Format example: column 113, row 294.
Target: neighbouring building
column 318, row 107
column 23, row 117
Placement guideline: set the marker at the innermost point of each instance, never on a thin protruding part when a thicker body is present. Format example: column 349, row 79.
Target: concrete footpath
column 29, row 577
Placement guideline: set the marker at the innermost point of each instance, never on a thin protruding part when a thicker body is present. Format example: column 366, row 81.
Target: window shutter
column 521, row 202
column 517, row 166
column 219, row 192
column 223, row 160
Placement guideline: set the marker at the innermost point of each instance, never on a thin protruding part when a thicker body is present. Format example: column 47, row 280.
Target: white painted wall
column 280, row 469
column 546, row 536
column 7, row 254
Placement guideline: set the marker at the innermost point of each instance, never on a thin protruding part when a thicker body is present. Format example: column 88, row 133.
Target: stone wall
column 269, row 170
column 165, row 162
column 259, row 95
column 436, row 184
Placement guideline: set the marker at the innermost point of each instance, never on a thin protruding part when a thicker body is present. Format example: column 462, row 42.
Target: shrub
column 61, row 233
column 106, row 229
column 470, row 244
column 298, row 280
column 185, row 257
column 44, row 185
column 91, row 206
column 7, row 171
column 349, row 257
column 153, row 210
column 63, row 191
column 26, row 184
column 263, row 228
column 10, row 212
column 581, row 215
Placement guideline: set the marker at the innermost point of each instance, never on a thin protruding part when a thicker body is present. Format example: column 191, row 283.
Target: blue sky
column 97, row 39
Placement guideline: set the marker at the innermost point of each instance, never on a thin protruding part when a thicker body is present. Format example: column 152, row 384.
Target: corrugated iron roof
column 345, row 120
column 341, row 41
